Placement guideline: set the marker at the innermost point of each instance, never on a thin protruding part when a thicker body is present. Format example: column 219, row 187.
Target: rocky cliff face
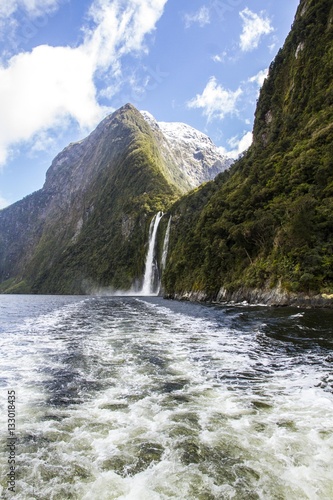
column 194, row 153
column 262, row 230
column 87, row 227
column 267, row 224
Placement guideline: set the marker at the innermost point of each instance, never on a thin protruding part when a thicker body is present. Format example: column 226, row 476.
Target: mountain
column 88, row 226
column 195, row 155
column 263, row 231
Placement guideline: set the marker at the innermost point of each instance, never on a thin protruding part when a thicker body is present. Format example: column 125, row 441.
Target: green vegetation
column 97, row 236
column 111, row 247
column 265, row 224
column 269, row 221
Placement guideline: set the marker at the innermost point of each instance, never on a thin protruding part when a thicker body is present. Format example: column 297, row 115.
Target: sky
column 66, row 64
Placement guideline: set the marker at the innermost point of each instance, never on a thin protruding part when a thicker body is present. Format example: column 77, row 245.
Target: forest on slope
column 87, row 227
column 268, row 222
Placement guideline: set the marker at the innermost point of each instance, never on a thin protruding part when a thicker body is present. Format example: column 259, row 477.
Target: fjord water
column 142, row 398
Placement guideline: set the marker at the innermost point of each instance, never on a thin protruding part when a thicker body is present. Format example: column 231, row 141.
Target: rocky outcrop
column 88, row 222
column 194, row 153
column 264, row 228
column 87, row 227
column 275, row 297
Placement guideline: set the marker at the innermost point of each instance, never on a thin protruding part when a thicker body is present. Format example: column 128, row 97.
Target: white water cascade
column 148, row 279
column 166, row 245
column 165, row 251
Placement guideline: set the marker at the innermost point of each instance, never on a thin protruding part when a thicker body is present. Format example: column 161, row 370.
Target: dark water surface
column 141, row 398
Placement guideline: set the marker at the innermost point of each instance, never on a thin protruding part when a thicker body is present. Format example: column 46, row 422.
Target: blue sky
column 65, row 64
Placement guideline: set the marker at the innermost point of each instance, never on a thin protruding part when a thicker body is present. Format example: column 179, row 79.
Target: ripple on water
column 132, row 399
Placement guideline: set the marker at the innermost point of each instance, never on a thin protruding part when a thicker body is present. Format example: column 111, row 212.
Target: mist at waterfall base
column 139, row 398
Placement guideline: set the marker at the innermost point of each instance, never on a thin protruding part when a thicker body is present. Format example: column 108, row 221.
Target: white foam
column 187, row 405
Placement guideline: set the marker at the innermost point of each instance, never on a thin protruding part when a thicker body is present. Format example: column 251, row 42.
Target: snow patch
column 192, row 151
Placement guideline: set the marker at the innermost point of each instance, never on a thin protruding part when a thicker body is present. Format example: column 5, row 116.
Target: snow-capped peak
column 192, row 151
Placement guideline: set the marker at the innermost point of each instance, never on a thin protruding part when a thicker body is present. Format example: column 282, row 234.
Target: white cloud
column 20, row 21
column 254, row 27
column 202, row 17
column 43, row 141
column 237, row 146
column 120, row 28
column 272, row 47
column 3, row 203
column 216, row 101
column 259, row 78
column 219, row 58
column 31, row 7
column 41, row 89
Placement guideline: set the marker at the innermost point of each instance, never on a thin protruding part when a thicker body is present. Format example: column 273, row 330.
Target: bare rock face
column 88, row 224
column 193, row 152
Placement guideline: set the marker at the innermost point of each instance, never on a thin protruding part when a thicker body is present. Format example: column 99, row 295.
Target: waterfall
column 148, row 279
column 166, row 245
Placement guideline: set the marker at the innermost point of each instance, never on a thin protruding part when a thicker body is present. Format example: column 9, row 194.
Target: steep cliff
column 267, row 224
column 197, row 158
column 261, row 231
column 88, row 226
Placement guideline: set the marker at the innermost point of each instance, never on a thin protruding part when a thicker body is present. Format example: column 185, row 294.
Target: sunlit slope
column 268, row 223
column 88, row 226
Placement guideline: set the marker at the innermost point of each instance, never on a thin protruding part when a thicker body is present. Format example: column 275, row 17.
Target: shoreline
column 274, row 297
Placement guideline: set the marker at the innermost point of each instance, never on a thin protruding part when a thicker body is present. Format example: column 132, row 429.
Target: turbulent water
column 133, row 398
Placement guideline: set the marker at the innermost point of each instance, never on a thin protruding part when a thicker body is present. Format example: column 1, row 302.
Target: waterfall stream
column 148, row 279
column 166, row 245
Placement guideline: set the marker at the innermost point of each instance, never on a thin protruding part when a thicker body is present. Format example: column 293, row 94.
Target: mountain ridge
column 192, row 151
column 87, row 227
column 262, row 232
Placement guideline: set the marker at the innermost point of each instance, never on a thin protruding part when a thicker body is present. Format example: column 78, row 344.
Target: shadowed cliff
column 87, row 226
column 264, row 230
